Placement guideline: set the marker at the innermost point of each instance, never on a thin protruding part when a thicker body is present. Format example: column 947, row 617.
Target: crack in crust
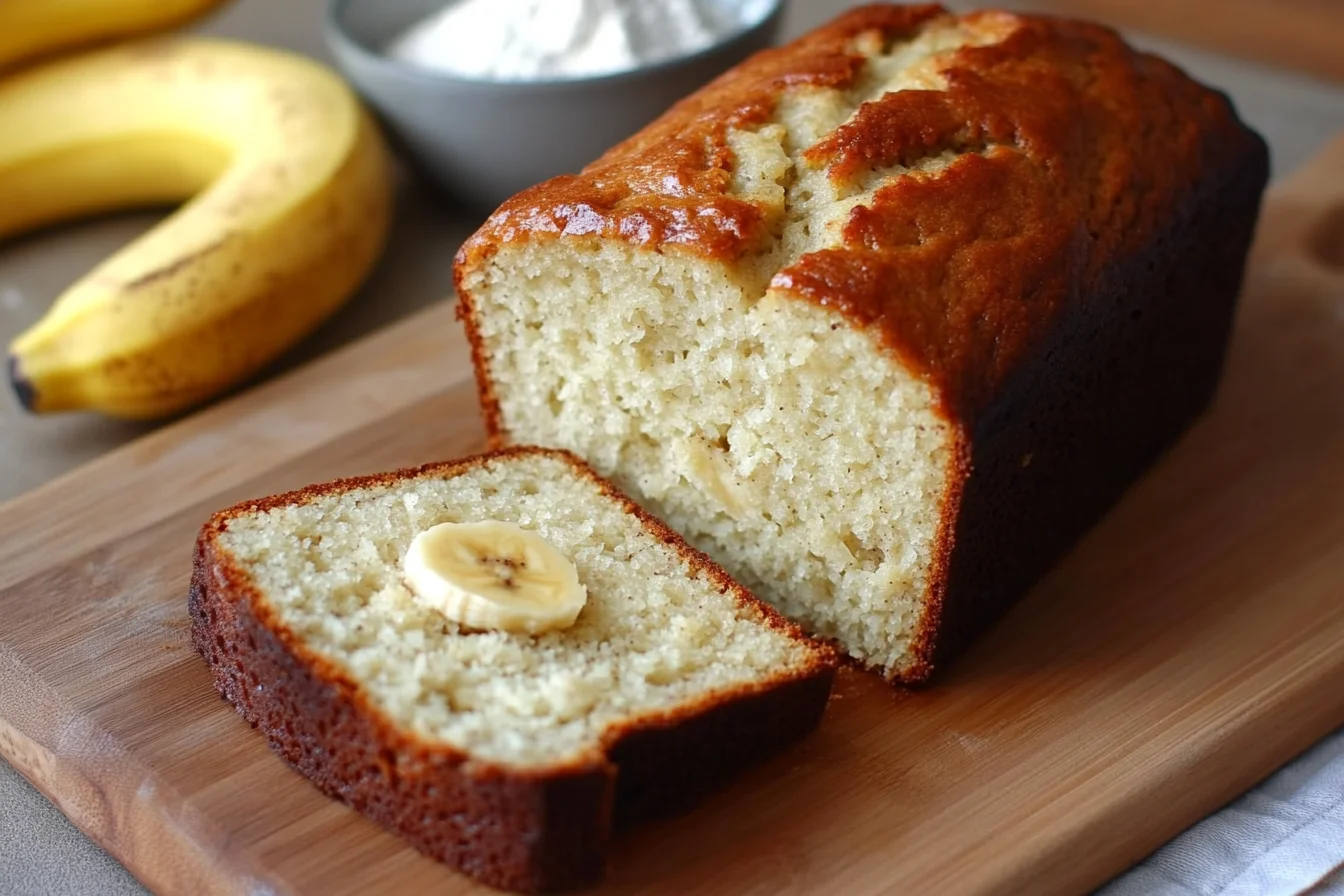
column 1071, row 150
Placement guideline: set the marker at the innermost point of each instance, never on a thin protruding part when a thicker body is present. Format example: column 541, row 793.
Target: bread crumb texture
column 656, row 635
column 741, row 416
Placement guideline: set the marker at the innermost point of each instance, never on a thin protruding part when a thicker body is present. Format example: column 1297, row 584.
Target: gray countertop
column 41, row 852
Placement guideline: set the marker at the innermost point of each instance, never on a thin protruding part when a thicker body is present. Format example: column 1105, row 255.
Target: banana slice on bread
column 494, row 575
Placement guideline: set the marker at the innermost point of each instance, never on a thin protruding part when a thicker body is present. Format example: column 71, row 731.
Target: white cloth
column 1283, row 838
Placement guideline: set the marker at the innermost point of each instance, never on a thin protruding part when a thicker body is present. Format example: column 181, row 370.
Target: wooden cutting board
column 1193, row 643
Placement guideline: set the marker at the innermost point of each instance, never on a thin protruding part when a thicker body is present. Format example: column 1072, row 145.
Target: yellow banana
column 31, row 28
column 291, row 204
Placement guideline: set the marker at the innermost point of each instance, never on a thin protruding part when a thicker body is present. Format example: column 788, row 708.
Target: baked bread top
column 1041, row 153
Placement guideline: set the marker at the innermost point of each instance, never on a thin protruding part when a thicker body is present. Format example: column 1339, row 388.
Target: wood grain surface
column 1305, row 35
column 1193, row 643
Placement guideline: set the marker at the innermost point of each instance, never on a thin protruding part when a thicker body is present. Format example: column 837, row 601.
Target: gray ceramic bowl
column 482, row 141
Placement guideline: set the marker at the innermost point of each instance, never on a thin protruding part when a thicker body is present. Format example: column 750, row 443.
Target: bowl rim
column 337, row 36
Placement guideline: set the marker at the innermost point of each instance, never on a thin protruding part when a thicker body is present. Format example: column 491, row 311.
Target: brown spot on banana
column 176, row 264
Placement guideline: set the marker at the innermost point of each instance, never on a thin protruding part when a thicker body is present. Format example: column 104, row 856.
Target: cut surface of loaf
column 884, row 319
column 506, row 755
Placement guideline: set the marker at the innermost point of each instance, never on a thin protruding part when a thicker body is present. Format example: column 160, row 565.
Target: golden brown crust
column 465, row 311
column 1075, row 148
column 526, row 829
column 667, row 185
column 1104, row 396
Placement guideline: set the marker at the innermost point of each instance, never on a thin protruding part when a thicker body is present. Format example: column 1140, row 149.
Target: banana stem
column 23, row 389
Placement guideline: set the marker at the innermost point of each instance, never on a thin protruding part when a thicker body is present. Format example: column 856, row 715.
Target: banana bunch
column 286, row 187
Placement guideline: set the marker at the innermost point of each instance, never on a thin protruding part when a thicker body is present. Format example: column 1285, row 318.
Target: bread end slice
column 295, row 606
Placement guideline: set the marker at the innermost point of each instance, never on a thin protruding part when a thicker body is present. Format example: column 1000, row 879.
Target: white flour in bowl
column 520, row 40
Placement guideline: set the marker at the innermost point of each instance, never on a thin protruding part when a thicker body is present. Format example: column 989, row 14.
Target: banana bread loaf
column 507, row 755
column 885, row 319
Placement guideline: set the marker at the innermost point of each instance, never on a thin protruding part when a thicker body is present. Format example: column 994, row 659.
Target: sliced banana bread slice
column 507, row 755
